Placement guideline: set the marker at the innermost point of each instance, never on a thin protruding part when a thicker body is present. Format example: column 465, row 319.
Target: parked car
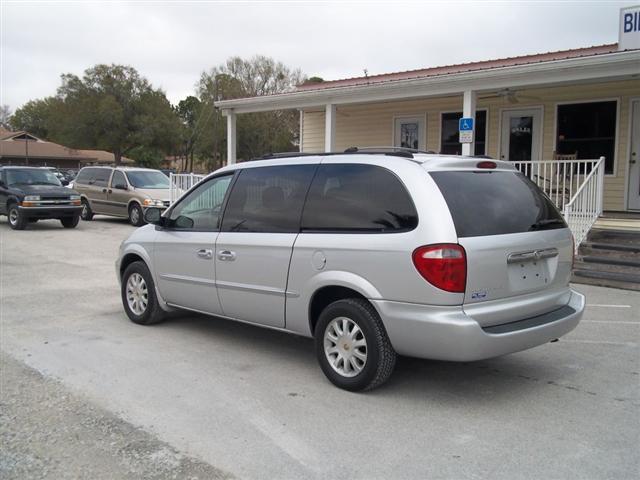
column 29, row 194
column 372, row 255
column 121, row 191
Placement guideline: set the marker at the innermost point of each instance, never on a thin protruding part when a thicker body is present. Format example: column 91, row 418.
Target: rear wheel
column 70, row 222
column 138, row 294
column 352, row 346
column 86, row 214
column 135, row 215
column 17, row 220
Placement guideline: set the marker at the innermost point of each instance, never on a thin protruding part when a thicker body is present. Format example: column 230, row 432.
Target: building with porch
column 584, row 103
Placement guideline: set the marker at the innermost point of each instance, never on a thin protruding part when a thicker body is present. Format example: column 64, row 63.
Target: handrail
column 586, row 205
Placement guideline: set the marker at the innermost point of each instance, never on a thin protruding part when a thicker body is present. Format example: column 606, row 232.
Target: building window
column 409, row 133
column 588, row 129
column 450, row 140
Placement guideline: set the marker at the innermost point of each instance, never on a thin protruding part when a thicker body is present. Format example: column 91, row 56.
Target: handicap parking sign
column 465, row 124
column 465, row 130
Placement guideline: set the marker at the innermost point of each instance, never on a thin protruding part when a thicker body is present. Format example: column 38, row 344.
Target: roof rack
column 389, row 151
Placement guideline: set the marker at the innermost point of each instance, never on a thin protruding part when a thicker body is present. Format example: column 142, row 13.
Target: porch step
column 609, row 258
column 618, row 222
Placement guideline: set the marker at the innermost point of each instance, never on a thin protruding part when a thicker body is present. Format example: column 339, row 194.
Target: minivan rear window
column 496, row 203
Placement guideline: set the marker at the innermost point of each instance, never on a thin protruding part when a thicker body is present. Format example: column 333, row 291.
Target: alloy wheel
column 345, row 346
column 137, row 294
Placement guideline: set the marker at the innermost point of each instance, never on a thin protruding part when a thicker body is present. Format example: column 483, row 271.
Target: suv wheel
column 86, row 214
column 139, row 295
column 70, row 222
column 352, row 345
column 17, row 221
column 135, row 215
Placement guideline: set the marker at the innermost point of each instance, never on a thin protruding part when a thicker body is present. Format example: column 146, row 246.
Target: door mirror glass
column 120, row 186
column 64, row 182
column 184, row 222
column 153, row 216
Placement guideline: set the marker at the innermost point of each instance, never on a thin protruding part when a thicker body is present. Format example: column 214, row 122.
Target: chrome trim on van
column 532, row 255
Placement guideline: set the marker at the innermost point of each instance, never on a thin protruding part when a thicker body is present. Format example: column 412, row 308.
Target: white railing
column 575, row 186
column 181, row 182
column 584, row 208
column 559, row 179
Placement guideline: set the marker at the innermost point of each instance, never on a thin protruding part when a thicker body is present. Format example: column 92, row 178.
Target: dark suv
column 29, row 194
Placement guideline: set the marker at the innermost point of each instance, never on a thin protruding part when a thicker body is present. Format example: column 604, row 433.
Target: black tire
column 136, row 217
column 86, row 214
column 70, row 222
column 153, row 313
column 380, row 355
column 17, row 221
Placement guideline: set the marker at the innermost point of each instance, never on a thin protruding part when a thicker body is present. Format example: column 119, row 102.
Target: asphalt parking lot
column 254, row 404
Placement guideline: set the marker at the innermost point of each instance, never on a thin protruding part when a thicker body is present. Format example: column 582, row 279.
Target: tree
column 113, row 108
column 189, row 110
column 258, row 133
column 38, row 117
column 5, row 114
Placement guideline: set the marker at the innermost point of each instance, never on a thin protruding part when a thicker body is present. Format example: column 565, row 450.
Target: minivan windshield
column 148, row 179
column 496, row 203
column 31, row 176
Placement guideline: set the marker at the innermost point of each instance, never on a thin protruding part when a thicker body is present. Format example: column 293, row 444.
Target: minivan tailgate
column 516, row 276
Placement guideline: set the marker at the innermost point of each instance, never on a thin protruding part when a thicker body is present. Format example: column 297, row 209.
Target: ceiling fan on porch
column 510, row 96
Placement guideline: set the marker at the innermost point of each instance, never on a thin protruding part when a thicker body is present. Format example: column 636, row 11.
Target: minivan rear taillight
column 443, row 265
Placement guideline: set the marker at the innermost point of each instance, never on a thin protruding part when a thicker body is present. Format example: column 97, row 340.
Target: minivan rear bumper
column 447, row 333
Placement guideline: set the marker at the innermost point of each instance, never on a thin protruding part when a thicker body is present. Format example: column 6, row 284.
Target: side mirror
column 120, row 186
column 64, row 182
column 153, row 216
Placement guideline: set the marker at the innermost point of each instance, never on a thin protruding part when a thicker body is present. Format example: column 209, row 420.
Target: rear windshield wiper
column 541, row 224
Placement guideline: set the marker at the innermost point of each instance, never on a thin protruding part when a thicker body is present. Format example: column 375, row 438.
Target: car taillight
column 443, row 265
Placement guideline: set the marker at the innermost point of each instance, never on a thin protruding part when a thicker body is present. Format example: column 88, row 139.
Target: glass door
column 521, row 134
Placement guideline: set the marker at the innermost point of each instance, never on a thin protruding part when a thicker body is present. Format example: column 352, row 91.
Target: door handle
column 205, row 253
column 104, row 190
column 226, row 255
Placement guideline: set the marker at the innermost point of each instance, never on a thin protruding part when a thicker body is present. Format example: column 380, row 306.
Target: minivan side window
column 101, row 177
column 201, row 209
column 118, row 179
column 268, row 199
column 358, row 198
column 84, row 176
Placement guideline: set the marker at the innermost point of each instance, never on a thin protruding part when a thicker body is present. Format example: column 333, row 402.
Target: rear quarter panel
column 377, row 265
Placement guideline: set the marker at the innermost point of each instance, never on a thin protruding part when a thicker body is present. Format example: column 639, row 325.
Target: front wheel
column 135, row 215
column 138, row 294
column 86, row 214
column 70, row 222
column 17, row 220
column 352, row 345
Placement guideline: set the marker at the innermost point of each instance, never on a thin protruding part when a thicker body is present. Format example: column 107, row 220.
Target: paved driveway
column 254, row 403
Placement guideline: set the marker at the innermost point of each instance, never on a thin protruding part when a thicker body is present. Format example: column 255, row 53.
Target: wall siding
column 372, row 124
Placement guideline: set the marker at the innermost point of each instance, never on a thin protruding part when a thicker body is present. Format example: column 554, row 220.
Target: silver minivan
column 372, row 254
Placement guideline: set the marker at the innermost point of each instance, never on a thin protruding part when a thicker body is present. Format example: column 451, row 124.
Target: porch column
column 469, row 111
column 329, row 128
column 231, row 137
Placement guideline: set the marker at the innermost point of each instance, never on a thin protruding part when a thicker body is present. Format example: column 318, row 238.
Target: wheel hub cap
column 345, row 347
column 137, row 294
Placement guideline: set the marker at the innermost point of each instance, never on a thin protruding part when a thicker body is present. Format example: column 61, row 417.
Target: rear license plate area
column 528, row 274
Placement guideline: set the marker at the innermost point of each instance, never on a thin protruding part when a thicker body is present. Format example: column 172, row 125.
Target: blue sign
column 465, row 124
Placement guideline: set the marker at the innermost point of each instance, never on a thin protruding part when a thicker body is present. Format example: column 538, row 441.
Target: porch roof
column 576, row 65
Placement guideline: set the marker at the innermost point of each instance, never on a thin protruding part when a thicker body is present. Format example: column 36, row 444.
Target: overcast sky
column 172, row 42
